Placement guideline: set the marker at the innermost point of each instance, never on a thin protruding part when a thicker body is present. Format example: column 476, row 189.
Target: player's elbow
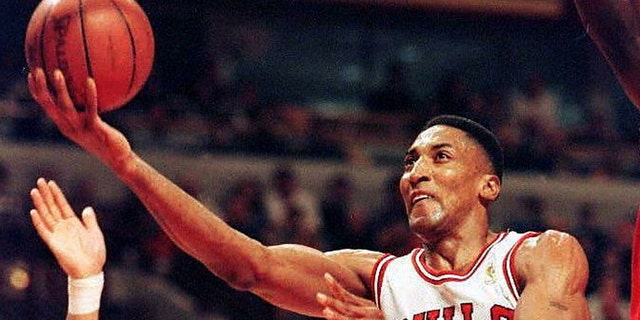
column 242, row 281
column 245, row 273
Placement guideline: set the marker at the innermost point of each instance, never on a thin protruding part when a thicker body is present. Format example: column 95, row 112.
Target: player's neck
column 457, row 254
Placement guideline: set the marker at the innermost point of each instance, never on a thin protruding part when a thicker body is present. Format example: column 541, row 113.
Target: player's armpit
column 554, row 271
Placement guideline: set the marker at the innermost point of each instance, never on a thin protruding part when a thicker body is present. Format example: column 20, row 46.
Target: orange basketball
column 110, row 41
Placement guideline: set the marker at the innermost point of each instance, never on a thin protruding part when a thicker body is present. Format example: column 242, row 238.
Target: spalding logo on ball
column 110, row 41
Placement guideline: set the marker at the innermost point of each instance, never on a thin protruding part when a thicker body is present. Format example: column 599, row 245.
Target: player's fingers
column 32, row 85
column 64, row 99
column 339, row 307
column 89, row 219
column 48, row 199
column 42, row 209
column 330, row 305
column 345, row 303
column 42, row 95
column 37, row 82
column 37, row 85
column 339, row 292
column 331, row 314
column 61, row 201
column 91, row 98
column 40, row 226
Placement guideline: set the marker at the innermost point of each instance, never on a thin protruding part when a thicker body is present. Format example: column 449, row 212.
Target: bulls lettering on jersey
column 466, row 311
column 406, row 289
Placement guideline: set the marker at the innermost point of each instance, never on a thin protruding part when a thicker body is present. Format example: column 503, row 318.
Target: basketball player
column 614, row 26
column 452, row 174
column 78, row 246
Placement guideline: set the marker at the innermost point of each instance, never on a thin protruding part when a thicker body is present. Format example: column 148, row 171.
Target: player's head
column 452, row 172
column 483, row 136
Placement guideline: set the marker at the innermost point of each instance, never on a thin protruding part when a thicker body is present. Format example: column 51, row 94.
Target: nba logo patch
column 490, row 275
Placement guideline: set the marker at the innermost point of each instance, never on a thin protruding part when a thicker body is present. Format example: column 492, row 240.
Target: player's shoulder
column 552, row 259
column 548, row 249
column 550, row 240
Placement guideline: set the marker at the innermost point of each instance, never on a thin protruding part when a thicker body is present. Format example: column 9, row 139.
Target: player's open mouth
column 420, row 198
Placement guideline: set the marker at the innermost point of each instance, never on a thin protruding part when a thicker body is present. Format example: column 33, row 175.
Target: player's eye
column 408, row 161
column 442, row 156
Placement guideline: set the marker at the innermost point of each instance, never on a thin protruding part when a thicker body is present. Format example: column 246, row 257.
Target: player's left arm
column 553, row 270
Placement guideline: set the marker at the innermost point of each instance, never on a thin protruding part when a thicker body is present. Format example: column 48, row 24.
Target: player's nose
column 421, row 171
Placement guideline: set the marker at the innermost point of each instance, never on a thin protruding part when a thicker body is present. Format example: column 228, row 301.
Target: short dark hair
column 479, row 133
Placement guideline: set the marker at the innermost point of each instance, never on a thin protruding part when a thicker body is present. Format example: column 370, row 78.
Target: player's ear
column 491, row 186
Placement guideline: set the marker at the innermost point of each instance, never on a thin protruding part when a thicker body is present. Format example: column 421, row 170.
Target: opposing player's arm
column 289, row 276
column 614, row 26
column 554, row 271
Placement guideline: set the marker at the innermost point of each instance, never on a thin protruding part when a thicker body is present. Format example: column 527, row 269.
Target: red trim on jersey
column 509, row 269
column 634, row 308
column 377, row 273
column 439, row 277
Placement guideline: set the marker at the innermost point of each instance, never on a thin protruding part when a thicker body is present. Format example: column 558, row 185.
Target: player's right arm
column 288, row 276
column 614, row 26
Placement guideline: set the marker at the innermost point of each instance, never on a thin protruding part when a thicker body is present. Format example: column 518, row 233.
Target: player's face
column 441, row 180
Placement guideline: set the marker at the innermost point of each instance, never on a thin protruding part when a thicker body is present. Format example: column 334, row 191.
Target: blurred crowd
column 540, row 131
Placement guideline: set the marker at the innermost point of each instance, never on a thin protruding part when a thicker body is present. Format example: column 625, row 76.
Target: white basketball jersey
column 404, row 288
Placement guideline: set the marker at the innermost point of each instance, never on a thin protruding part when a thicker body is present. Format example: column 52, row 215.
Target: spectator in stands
column 532, row 217
column 342, row 221
column 244, row 208
column 607, row 301
column 285, row 129
column 394, row 96
column 535, row 112
column 595, row 242
column 388, row 229
column 293, row 211
column 21, row 116
column 452, row 96
column 611, row 300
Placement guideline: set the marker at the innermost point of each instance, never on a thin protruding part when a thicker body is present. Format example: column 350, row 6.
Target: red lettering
column 447, row 313
column 419, row 316
column 467, row 310
column 497, row 313
column 433, row 314
column 501, row 313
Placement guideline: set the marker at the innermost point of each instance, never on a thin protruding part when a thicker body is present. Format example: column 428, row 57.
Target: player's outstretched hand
column 81, row 124
column 77, row 245
column 343, row 305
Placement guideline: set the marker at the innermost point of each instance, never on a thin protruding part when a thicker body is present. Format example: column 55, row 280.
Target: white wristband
column 85, row 294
